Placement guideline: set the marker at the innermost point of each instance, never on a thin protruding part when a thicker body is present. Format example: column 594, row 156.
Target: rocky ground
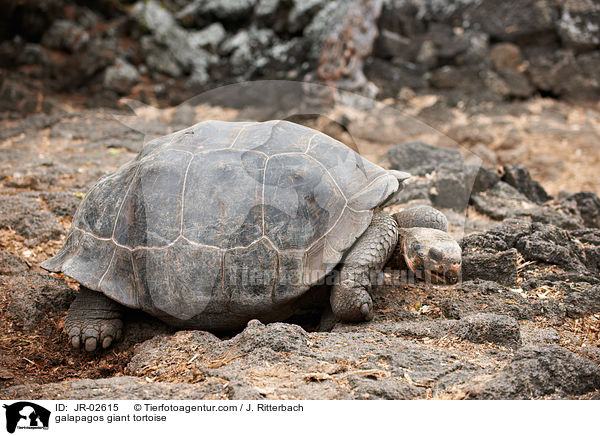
column 492, row 106
column 523, row 323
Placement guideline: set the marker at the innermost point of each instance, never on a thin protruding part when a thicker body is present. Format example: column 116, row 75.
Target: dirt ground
column 50, row 155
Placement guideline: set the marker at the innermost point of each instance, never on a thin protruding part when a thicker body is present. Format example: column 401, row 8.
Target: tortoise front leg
column 350, row 296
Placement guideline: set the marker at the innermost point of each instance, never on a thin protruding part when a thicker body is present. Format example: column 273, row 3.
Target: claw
column 75, row 341
column 90, row 344
column 106, row 342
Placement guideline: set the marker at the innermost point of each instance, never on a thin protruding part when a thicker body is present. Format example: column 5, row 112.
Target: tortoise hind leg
column 350, row 298
column 93, row 320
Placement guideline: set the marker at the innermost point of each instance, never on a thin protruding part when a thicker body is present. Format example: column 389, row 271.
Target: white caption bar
column 108, row 418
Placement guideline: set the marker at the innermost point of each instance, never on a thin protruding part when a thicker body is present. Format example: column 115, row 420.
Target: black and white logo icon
column 26, row 415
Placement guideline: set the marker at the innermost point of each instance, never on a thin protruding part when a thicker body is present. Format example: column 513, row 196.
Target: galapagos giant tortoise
column 224, row 222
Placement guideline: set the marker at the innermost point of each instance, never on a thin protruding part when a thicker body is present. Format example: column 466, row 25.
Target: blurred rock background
column 166, row 52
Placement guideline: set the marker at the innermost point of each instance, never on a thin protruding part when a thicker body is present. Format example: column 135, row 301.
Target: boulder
column 121, row 77
column 489, row 327
column 514, row 20
column 578, row 26
column 65, row 35
column 539, row 370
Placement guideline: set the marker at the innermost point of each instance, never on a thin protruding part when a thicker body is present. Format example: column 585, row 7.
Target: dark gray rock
column 591, row 353
column 337, row 47
column 418, row 329
column 25, row 215
column 451, row 189
column 245, row 49
column 420, row 158
column 515, row 20
column 388, row 76
column 415, row 189
column 485, row 178
column 536, row 371
column 518, row 177
column 169, row 34
column 588, row 205
column 541, row 62
column 450, row 45
column 62, row 203
column 499, row 238
column 283, row 55
column 584, row 299
column 302, row 365
column 121, row 77
column 591, row 240
column 208, row 38
column 499, row 202
column 535, row 241
column 477, row 48
column 449, row 77
column 36, row 174
column 227, row 10
column 578, row 26
column 539, row 336
column 31, row 124
column 32, row 297
column 302, row 12
column 564, row 74
column 517, row 84
column 66, row 35
column 437, row 113
column 451, row 184
column 498, row 266
column 159, row 58
column 278, row 337
column 476, row 328
column 77, row 70
column 32, row 54
column 402, row 18
column 503, row 201
column 479, row 296
column 489, row 327
column 473, row 133
column 370, row 388
column 392, row 45
column 87, row 18
column 266, row 10
column 588, row 63
column 551, row 245
column 17, row 97
column 11, row 264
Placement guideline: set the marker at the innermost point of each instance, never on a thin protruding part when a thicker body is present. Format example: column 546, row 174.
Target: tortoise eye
column 417, row 247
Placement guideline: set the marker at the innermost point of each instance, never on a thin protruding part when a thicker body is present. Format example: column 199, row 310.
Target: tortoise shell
column 223, row 221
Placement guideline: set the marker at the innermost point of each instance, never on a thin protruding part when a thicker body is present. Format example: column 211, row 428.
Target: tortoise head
column 432, row 254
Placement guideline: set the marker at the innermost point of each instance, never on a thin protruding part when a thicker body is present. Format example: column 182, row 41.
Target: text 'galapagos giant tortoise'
column 224, row 222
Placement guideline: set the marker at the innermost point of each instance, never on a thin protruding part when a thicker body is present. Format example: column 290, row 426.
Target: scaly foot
column 93, row 321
